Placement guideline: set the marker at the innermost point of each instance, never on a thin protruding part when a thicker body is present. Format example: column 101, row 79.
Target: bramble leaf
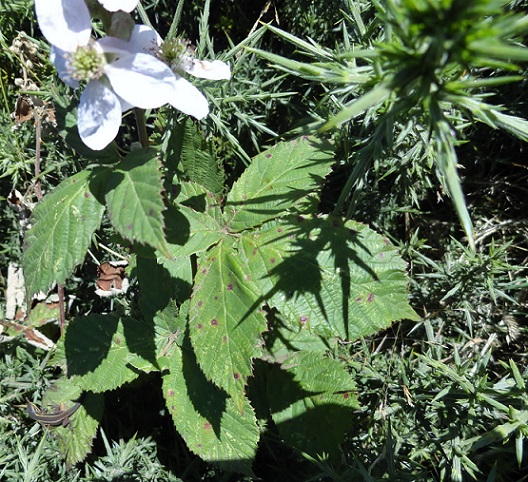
column 329, row 277
column 195, row 157
column 75, row 440
column 103, row 352
column 311, row 399
column 277, row 180
column 63, row 225
column 225, row 325
column 134, row 199
column 208, row 420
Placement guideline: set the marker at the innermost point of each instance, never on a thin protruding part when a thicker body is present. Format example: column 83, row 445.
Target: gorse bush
column 244, row 303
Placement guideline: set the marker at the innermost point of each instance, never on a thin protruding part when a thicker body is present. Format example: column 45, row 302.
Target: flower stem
column 141, row 127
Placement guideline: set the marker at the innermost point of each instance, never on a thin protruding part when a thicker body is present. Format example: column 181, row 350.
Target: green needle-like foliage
column 434, row 62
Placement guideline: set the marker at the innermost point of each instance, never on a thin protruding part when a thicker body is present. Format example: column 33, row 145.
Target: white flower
column 115, row 5
column 179, row 55
column 119, row 74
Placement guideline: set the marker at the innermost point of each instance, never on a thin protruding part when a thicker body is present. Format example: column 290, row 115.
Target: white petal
column 65, row 23
column 113, row 45
column 189, row 99
column 115, row 5
column 99, row 115
column 125, row 106
column 142, row 80
column 215, row 70
column 60, row 60
column 144, row 39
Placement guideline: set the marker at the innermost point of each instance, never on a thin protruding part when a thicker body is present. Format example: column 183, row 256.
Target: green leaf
column 210, row 423
column 159, row 285
column 134, row 199
column 103, row 352
column 63, row 225
column 503, row 431
column 224, row 320
column 328, row 277
column 195, row 222
column 496, row 49
column 180, row 270
column 277, row 180
column 195, row 157
column 284, row 337
column 170, row 325
column 75, row 440
column 311, row 399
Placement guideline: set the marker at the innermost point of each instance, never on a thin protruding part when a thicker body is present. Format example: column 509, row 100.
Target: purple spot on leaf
column 345, row 396
column 273, row 260
column 199, row 326
column 207, row 426
column 214, row 322
column 303, row 319
column 279, row 230
column 151, row 212
column 199, row 304
column 170, row 393
column 268, row 155
column 236, row 376
column 230, row 287
column 359, row 300
column 370, row 298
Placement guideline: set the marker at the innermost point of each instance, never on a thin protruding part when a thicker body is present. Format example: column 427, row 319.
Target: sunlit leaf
column 208, row 420
column 63, row 225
